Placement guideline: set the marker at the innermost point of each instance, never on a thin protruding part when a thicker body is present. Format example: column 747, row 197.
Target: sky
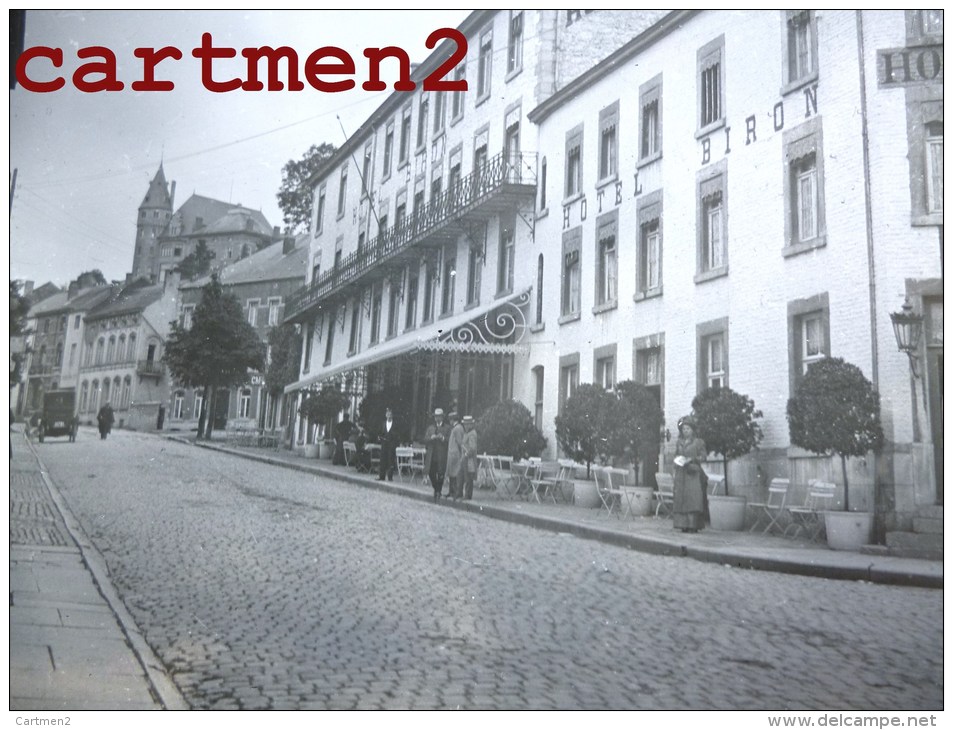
column 83, row 160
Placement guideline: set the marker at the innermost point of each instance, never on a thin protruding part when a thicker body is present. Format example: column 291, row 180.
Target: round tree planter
column 639, row 500
column 311, row 451
column 848, row 530
column 727, row 513
column 585, row 494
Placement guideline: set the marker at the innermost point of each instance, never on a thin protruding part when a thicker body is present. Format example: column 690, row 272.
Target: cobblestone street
column 261, row 587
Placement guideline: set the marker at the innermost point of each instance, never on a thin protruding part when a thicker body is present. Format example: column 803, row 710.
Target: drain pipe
column 879, row 523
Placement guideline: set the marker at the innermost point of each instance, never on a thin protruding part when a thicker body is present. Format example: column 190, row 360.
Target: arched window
column 121, row 348
column 126, row 387
column 111, row 349
column 100, row 347
column 244, row 403
column 116, row 391
column 87, row 354
column 83, row 396
column 59, row 355
column 105, row 396
column 178, row 401
column 94, row 397
column 42, row 357
column 131, row 356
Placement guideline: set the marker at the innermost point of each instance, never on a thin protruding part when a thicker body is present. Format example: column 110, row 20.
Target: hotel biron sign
column 909, row 66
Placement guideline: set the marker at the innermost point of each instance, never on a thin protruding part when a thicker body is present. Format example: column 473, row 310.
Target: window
column 539, row 290
column 377, row 297
column 308, row 346
column 514, row 47
column 388, row 149
column 607, row 267
column 604, row 363
column 934, row 162
column 648, row 274
column 574, row 161
column 608, row 142
column 449, row 277
column 650, row 119
column 649, row 363
column 121, row 348
column 485, row 64
column 319, row 215
column 801, row 42
column 572, row 275
column 72, row 354
column 329, row 322
column 83, row 396
column 713, row 354
column 711, row 75
column 393, row 308
column 436, row 188
column 197, row 404
column 511, row 149
column 429, row 274
column 126, row 388
column 474, row 261
column 366, row 170
column 539, row 374
column 252, row 313
column 178, row 401
column 413, row 281
column 404, row 151
column 439, row 113
column 106, row 391
column 712, row 226
column 131, row 355
column 244, row 403
column 808, row 334
column 422, row 122
column 507, row 257
column 59, row 355
column 542, row 185
column 342, row 192
column 355, row 327
column 100, row 350
column 274, row 308
column 568, row 378
column 76, row 320
column 479, row 162
column 456, row 104
column 177, row 251
column 803, row 188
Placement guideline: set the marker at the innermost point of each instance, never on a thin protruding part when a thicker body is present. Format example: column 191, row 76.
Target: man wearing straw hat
column 435, row 462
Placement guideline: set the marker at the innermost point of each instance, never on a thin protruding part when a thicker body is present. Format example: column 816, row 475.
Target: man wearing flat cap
column 435, row 462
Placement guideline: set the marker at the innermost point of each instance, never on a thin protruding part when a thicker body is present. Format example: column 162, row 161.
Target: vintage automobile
column 59, row 414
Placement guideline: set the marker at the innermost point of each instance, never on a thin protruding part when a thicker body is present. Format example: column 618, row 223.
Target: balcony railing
column 500, row 173
column 150, row 367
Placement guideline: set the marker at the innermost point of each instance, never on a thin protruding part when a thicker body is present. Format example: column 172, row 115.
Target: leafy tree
column 197, row 263
column 507, row 429
column 97, row 276
column 285, row 345
column 295, row 197
column 322, row 406
column 19, row 307
column 726, row 422
column 835, row 410
column 217, row 352
column 633, row 422
column 580, row 429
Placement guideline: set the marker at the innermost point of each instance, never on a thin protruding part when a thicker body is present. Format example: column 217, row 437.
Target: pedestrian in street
column 435, row 461
column 105, row 419
column 470, row 456
column 455, row 461
column 690, row 503
column 342, row 432
column 389, row 439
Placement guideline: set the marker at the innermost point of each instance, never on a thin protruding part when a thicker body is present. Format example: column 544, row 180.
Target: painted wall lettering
column 902, row 66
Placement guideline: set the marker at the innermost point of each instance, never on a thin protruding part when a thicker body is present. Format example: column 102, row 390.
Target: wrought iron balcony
column 151, row 368
column 500, row 184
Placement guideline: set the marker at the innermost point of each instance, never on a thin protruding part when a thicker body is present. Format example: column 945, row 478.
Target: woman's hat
column 686, row 421
column 468, row 419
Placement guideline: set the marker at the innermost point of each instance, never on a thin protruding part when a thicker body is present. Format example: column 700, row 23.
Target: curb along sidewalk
column 642, row 534
column 73, row 644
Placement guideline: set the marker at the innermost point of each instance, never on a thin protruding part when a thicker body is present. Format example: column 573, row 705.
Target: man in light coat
column 470, row 456
column 455, row 460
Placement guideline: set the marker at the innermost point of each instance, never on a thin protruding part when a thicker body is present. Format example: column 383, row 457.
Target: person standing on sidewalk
column 469, row 456
column 105, row 419
column 435, row 461
column 690, row 501
column 455, row 460
column 389, row 440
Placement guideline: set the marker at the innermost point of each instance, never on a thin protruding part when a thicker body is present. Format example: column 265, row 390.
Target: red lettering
column 206, row 53
column 273, row 55
column 150, row 59
column 436, row 81
column 313, row 66
column 107, row 67
column 56, row 58
column 374, row 55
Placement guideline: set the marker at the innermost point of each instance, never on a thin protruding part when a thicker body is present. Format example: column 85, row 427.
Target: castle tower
column 155, row 212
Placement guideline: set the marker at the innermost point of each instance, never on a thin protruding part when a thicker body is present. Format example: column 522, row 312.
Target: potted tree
column 835, row 410
column 633, row 420
column 320, row 407
column 507, row 429
column 580, row 429
column 727, row 424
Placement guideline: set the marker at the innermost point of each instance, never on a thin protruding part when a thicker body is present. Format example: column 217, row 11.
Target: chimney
column 27, row 288
column 288, row 245
column 172, row 196
column 276, row 233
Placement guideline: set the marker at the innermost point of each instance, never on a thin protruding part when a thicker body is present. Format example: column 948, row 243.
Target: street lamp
column 908, row 328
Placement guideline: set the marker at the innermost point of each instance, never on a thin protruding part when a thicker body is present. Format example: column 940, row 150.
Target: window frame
column 568, row 379
column 711, row 194
column 794, row 78
column 342, row 193
column 406, row 132
column 573, row 186
column 388, row 151
column 608, row 144
column 570, row 289
column 448, row 279
column 319, row 209
column 707, row 333
column 515, row 42
column 649, row 216
column 798, row 312
column 708, row 56
column 605, row 360
column 484, row 65
column 803, row 153
column 506, row 256
column 606, row 292
column 650, row 95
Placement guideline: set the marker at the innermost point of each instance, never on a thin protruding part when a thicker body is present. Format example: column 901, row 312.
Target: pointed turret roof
column 158, row 195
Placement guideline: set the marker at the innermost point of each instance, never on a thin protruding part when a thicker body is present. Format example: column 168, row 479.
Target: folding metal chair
column 611, row 497
column 809, row 517
column 350, row 451
column 405, row 462
column 770, row 511
column 664, row 493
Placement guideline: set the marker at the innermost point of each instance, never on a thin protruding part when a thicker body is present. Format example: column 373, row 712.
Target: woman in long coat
column 689, row 505
column 455, row 460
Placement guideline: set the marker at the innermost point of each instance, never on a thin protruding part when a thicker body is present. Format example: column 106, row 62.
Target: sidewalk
column 643, row 534
column 73, row 646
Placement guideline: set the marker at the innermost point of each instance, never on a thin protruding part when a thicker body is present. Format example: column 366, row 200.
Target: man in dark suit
column 389, row 442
